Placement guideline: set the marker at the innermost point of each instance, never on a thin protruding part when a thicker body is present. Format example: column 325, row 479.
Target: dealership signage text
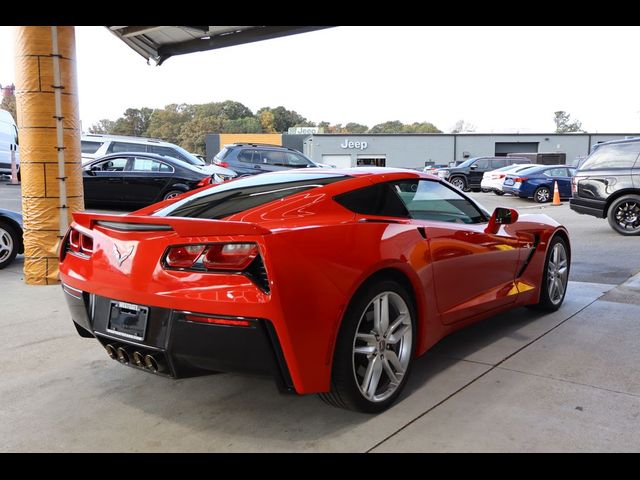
column 349, row 144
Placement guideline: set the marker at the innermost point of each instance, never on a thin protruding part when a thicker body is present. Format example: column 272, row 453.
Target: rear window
column 117, row 147
column 620, row 155
column 244, row 194
column 378, row 199
column 90, row 147
column 222, row 153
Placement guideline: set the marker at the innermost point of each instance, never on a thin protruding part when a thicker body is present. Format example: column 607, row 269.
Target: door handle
column 258, row 167
column 114, row 180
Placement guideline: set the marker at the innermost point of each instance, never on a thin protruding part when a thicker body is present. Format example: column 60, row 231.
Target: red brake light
column 230, row 256
column 521, row 179
column 204, row 182
column 78, row 243
column 221, row 164
column 217, row 321
column 502, row 175
column 215, row 256
column 183, row 257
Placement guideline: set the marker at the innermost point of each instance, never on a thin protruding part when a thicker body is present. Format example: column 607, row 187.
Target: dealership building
column 420, row 150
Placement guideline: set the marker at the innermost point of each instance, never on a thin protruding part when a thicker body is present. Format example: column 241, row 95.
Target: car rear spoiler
column 185, row 227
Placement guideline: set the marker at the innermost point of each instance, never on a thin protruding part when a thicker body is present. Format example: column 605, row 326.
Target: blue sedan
column 537, row 182
column 10, row 236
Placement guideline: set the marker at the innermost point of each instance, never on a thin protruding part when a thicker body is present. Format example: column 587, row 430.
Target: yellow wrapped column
column 49, row 136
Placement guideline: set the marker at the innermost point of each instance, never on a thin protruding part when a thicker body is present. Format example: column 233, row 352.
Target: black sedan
column 138, row 179
column 10, row 236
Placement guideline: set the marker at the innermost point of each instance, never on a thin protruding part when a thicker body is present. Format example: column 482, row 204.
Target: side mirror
column 501, row 216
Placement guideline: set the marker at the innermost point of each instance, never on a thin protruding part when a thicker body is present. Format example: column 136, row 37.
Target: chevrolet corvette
column 331, row 281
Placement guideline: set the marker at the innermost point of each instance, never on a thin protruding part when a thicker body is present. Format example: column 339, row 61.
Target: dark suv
column 468, row 175
column 607, row 185
column 253, row 158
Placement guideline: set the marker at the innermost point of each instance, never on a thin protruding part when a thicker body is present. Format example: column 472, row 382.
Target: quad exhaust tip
column 138, row 359
column 111, row 351
column 152, row 363
column 123, row 355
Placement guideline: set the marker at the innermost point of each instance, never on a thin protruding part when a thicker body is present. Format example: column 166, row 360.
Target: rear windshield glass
column 240, row 195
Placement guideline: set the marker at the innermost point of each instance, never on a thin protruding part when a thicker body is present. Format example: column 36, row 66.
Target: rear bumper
column 185, row 348
column 595, row 208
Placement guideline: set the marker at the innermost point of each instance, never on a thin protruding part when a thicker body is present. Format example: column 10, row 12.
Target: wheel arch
column 616, row 195
column 16, row 226
column 402, row 277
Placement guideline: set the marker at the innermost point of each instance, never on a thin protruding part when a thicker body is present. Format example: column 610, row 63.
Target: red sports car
column 332, row 281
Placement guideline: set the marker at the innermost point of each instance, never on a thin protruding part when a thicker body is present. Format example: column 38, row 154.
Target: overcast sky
column 501, row 79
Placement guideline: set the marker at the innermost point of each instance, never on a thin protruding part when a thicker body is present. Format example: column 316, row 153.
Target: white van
column 8, row 142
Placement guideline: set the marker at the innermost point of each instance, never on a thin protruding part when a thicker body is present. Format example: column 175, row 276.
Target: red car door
column 473, row 270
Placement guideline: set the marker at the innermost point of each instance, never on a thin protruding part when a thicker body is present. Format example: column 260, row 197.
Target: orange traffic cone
column 556, row 194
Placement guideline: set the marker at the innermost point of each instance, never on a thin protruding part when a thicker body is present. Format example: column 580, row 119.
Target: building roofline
column 586, row 134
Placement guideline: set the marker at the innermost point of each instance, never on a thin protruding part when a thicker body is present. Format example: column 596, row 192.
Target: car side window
column 275, row 158
column 89, row 146
column 246, row 156
column 498, row 163
column 482, row 164
column 112, row 165
column 379, row 199
column 556, row 172
column 296, row 161
column 617, row 155
column 150, row 165
column 431, row 200
column 117, row 147
column 165, row 151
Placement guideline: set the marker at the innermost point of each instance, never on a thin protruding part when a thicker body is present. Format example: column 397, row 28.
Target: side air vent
column 258, row 274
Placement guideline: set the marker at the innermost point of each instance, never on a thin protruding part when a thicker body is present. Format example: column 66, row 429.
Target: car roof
column 153, row 156
column 260, row 145
column 613, row 142
column 124, row 138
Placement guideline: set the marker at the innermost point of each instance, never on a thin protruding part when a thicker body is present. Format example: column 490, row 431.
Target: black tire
column 345, row 389
column 498, row 192
column 172, row 193
column 8, row 235
column 485, row 190
column 624, row 215
column 460, row 183
column 546, row 302
column 542, row 195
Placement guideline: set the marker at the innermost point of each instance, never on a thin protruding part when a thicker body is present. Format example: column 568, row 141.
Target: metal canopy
column 158, row 43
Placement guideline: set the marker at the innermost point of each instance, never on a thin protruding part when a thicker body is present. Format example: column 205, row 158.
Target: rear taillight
column 211, row 257
column 520, row 179
column 183, row 257
column 204, row 182
column 221, row 164
column 574, row 185
column 502, row 175
column 77, row 243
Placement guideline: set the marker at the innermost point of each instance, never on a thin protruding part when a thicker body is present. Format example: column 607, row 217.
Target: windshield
column 189, row 157
column 466, row 163
column 240, row 195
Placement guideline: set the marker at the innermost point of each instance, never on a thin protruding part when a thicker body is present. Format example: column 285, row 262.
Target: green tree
column 394, row 126
column 104, row 126
column 192, row 133
column 564, row 124
column 167, row 123
column 352, row 127
column 134, row 122
column 421, row 127
column 283, row 118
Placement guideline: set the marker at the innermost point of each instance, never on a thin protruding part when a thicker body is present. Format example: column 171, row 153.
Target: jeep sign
column 358, row 145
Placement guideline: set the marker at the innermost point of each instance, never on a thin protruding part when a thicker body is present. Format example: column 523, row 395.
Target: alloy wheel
column 627, row 216
column 458, row 183
column 542, row 195
column 557, row 273
column 382, row 346
column 6, row 244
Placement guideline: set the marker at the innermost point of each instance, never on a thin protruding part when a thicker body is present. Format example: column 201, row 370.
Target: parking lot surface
column 520, row 381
